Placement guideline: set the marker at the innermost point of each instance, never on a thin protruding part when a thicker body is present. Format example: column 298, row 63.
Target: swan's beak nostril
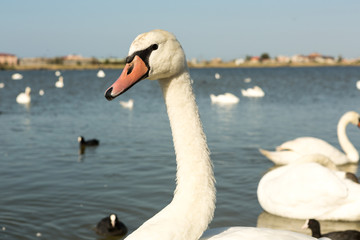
column 108, row 95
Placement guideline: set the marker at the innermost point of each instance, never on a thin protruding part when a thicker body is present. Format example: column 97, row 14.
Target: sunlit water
column 49, row 191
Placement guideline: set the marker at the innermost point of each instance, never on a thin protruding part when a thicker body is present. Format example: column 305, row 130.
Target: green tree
column 264, row 56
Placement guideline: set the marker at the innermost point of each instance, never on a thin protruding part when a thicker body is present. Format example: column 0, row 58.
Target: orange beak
column 131, row 74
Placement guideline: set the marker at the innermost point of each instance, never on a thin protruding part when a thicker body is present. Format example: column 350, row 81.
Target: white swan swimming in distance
column 127, row 104
column 24, row 97
column 226, row 98
column 17, row 76
column 60, row 82
column 158, row 55
column 253, row 92
column 291, row 150
column 100, row 74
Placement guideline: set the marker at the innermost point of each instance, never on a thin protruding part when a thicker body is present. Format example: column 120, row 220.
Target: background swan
column 358, row 84
column 291, row 150
column 226, row 98
column 127, row 104
column 60, row 82
column 305, row 190
column 100, row 74
column 247, row 80
column 158, row 55
column 17, row 76
column 253, row 92
column 24, row 97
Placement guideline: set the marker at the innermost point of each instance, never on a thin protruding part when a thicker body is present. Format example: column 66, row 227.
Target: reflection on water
column 271, row 221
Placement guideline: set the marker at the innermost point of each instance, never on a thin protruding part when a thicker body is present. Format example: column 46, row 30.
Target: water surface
column 49, row 191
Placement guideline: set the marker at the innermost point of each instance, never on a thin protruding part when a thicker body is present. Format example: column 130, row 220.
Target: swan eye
column 154, row 46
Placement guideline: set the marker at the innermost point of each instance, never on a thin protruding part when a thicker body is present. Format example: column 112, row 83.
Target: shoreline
column 208, row 65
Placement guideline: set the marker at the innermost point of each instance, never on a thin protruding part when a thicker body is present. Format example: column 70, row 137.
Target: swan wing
column 252, row 233
column 311, row 145
column 305, row 190
column 280, row 157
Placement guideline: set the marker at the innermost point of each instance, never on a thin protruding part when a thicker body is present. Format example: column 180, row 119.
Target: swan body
column 358, row 84
column 217, row 76
column 57, row 73
column 127, row 104
column 24, row 97
column 251, row 233
column 227, row 98
column 291, row 150
column 2, row 85
column 253, row 92
column 60, row 82
column 158, row 55
column 17, row 76
column 100, row 74
column 308, row 189
column 41, row 92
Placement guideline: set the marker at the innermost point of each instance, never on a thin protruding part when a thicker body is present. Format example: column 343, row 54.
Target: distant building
column 255, row 59
column 8, row 59
column 283, row 59
column 299, row 59
column 77, row 60
column 239, row 61
column 33, row 62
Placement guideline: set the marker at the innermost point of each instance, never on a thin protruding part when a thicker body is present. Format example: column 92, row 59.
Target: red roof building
column 8, row 59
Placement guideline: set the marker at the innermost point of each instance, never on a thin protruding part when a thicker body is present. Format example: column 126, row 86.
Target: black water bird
column 314, row 226
column 111, row 226
column 86, row 143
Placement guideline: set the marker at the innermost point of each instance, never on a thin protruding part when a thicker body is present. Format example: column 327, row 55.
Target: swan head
column 27, row 90
column 153, row 55
column 351, row 117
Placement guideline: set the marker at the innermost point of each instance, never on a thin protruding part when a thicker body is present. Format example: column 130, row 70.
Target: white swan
column 226, row 98
column 2, row 85
column 253, row 92
column 127, row 104
column 17, row 76
column 24, row 97
column 291, row 150
column 158, row 55
column 41, row 92
column 60, row 82
column 247, row 80
column 217, row 76
column 100, row 74
column 358, row 84
column 57, row 73
column 305, row 190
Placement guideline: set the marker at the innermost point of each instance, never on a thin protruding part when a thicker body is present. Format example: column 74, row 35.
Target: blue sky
column 206, row 29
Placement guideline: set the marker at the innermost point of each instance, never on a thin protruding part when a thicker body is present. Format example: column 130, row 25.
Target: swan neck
column 194, row 196
column 344, row 141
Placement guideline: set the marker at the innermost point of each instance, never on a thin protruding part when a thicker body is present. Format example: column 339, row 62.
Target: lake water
column 49, row 191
